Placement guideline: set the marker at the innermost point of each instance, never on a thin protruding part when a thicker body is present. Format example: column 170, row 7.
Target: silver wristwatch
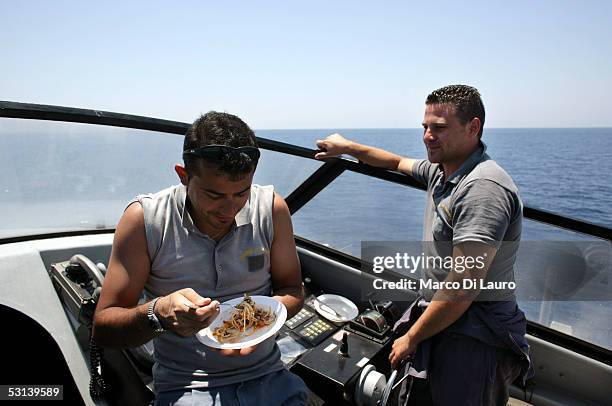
column 153, row 320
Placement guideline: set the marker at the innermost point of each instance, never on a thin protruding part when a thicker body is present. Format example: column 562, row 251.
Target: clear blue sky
column 314, row 64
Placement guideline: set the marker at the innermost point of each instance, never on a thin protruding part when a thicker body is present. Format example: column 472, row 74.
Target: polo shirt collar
column 469, row 164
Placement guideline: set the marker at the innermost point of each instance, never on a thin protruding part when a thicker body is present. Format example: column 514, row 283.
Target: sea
column 56, row 176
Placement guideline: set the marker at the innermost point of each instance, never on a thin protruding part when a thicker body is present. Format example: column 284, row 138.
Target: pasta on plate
column 245, row 319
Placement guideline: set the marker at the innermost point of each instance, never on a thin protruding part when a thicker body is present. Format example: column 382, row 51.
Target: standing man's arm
column 335, row 145
column 447, row 305
column 284, row 263
column 482, row 214
column 119, row 321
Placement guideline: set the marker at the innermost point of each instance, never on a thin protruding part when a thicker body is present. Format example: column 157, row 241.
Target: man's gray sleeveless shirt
column 183, row 257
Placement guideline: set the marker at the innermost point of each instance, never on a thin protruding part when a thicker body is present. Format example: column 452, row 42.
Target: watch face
column 155, row 324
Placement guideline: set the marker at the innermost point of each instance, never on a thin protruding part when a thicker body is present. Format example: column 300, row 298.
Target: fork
column 328, row 308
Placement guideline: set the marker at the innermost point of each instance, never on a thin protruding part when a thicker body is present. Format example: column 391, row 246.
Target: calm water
column 561, row 170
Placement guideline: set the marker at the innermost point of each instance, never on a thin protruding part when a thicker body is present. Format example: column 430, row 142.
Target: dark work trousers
column 463, row 371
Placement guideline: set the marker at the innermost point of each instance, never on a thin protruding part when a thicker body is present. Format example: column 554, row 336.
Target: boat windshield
column 68, row 176
column 60, row 176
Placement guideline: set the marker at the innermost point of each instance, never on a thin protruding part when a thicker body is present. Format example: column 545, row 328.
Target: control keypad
column 316, row 331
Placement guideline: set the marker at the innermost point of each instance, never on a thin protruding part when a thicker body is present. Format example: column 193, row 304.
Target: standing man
column 469, row 350
column 212, row 238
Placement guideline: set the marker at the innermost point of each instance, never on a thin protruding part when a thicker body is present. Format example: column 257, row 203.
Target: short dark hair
column 215, row 128
column 465, row 99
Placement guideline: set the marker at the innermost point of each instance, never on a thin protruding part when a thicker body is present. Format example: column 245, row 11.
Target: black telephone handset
column 97, row 385
column 79, row 282
column 92, row 272
column 88, row 266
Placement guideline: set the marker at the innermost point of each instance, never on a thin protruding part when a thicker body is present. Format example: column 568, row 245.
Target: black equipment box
column 332, row 374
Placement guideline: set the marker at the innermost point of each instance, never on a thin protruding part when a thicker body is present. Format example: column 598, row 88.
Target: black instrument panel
column 321, row 361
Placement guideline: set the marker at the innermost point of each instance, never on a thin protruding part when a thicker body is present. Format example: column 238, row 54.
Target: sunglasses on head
column 217, row 152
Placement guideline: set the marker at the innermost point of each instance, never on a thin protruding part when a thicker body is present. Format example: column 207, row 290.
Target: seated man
column 212, row 238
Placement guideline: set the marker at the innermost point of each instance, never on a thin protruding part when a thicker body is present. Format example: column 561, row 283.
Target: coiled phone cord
column 97, row 385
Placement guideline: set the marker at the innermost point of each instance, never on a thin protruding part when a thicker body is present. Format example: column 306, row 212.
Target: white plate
column 206, row 337
column 340, row 304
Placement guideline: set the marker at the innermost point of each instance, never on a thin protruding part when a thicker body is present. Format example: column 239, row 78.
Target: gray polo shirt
column 183, row 257
column 479, row 202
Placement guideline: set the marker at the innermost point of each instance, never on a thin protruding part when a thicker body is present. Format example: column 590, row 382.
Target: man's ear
column 182, row 174
column 474, row 126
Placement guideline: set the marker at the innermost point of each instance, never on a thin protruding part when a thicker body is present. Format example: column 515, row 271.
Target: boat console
column 341, row 361
column 339, row 368
column 331, row 356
